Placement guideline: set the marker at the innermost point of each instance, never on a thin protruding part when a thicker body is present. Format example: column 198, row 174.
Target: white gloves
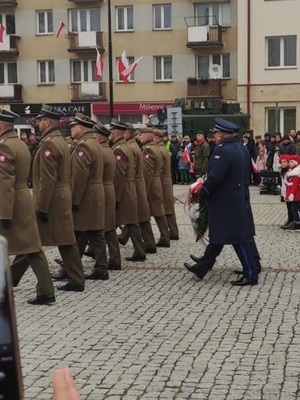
column 291, row 197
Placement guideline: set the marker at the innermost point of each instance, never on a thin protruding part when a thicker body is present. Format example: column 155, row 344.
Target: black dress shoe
column 162, row 244
column 194, row 258
column 136, row 258
column 89, row 253
column 68, row 287
column 59, row 275
column 174, row 237
column 59, row 261
column 114, row 267
column 150, row 251
column 195, row 270
column 244, row 282
column 42, row 299
column 189, row 267
column 122, row 240
column 98, row 276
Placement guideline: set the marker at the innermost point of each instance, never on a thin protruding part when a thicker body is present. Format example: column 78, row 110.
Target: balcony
column 10, row 45
column 85, row 41
column 89, row 91
column 10, row 93
column 203, row 33
column 7, row 3
column 204, row 87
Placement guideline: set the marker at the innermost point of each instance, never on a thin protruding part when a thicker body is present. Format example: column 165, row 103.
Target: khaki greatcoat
column 152, row 170
column 87, row 184
column 143, row 208
column 16, row 202
column 51, row 190
column 166, row 179
column 109, row 168
column 126, row 212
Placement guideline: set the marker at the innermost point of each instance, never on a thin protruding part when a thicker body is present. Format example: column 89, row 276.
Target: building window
column 280, row 119
column 8, row 73
column 282, row 51
column 213, row 14
column 46, row 72
column 85, row 20
column 44, row 22
column 8, row 21
column 162, row 16
column 130, row 60
column 124, row 18
column 84, row 71
column 163, row 68
column 204, row 63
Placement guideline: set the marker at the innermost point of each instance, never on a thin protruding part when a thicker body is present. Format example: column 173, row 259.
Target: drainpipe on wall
column 248, row 57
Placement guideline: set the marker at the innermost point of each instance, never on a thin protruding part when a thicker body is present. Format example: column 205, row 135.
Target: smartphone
column 11, row 387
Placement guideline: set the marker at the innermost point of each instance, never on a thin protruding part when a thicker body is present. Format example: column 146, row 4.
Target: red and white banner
column 129, row 70
column 99, row 64
column 62, row 25
column 2, row 29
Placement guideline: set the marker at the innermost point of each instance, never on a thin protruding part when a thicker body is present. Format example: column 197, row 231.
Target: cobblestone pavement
column 154, row 332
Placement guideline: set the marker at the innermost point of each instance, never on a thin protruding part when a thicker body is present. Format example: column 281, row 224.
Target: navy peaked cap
column 222, row 125
column 7, row 116
column 50, row 112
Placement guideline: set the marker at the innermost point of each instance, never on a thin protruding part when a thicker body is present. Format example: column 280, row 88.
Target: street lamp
column 110, row 64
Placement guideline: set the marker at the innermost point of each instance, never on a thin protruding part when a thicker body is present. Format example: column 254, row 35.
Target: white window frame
column 211, row 63
column 5, row 64
column 91, row 64
column 125, row 22
column 130, row 60
column 47, row 64
column 163, row 79
column 222, row 8
column 281, row 66
column 88, row 11
column 46, row 19
column 163, row 8
column 281, row 111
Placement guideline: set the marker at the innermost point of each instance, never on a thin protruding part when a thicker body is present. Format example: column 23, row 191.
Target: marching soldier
column 88, row 201
column 53, row 200
column 152, row 170
column 167, row 185
column 143, row 208
column 126, row 200
column 109, row 168
column 17, row 216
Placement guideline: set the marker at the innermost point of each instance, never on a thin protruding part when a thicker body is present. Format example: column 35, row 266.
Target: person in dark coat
column 226, row 193
column 287, row 146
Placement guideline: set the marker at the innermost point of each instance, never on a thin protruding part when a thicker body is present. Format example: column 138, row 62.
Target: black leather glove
column 42, row 216
column 6, row 223
column 117, row 204
column 75, row 207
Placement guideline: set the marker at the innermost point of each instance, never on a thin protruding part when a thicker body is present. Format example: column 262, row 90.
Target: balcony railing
column 10, row 93
column 6, row 3
column 204, row 87
column 10, row 45
column 91, row 91
column 85, row 41
column 203, row 32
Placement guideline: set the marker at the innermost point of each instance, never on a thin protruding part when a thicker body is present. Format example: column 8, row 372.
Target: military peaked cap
column 50, row 112
column 222, row 125
column 100, row 128
column 7, row 116
column 84, row 120
column 158, row 132
column 116, row 124
column 147, row 130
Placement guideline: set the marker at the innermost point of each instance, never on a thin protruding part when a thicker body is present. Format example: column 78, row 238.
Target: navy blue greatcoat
column 227, row 194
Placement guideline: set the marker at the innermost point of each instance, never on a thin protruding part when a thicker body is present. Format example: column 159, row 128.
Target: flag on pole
column 125, row 74
column 99, row 64
column 122, row 63
column 2, row 29
column 62, row 25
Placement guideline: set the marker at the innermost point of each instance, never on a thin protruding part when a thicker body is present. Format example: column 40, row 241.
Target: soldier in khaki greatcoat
column 143, row 208
column 52, row 197
column 109, row 167
column 88, row 201
column 17, row 216
column 152, row 171
column 126, row 199
column 167, row 185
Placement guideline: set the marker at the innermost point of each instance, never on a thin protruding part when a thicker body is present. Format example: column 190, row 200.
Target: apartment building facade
column 268, row 64
column 189, row 51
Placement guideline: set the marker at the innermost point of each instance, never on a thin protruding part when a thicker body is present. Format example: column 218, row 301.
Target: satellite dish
column 215, row 71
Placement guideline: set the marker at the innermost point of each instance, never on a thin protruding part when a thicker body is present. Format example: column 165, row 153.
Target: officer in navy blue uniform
column 226, row 193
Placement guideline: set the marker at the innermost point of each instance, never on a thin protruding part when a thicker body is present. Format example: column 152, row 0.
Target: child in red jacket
column 293, row 190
